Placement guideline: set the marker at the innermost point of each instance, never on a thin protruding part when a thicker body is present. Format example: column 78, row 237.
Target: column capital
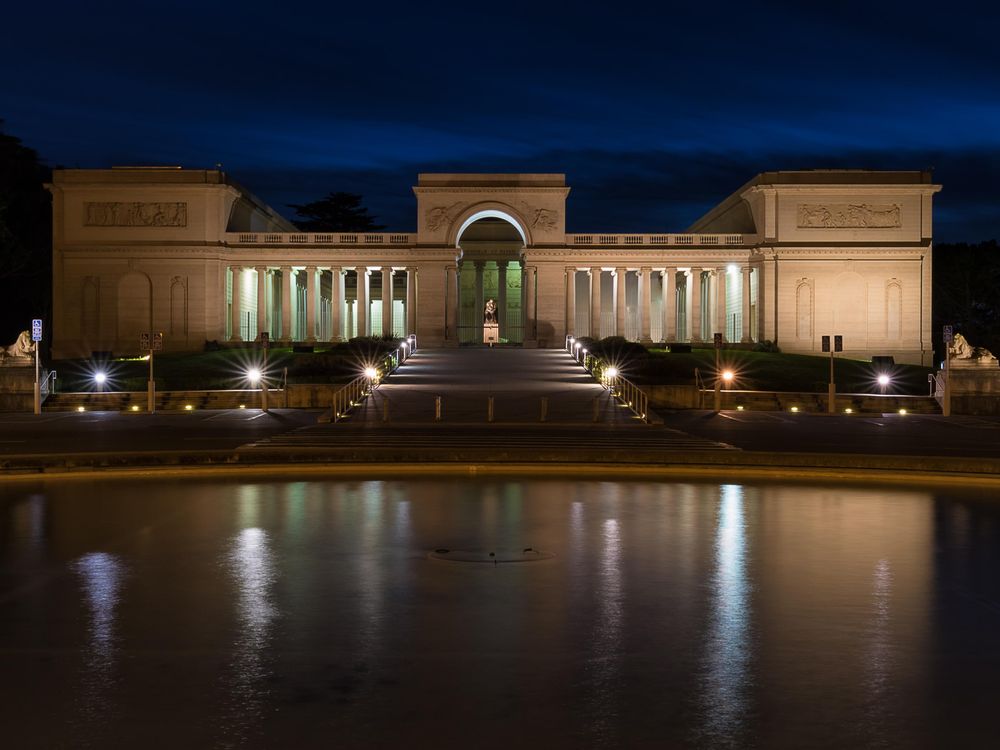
column 645, row 269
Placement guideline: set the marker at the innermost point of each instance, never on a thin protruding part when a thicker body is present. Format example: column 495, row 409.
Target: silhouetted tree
column 337, row 212
column 25, row 236
column 967, row 292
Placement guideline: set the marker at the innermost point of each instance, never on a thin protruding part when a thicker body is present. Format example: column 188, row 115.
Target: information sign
column 144, row 342
column 36, row 329
column 949, row 334
column 157, row 342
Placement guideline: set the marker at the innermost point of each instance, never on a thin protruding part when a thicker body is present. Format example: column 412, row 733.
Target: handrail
column 620, row 387
column 363, row 386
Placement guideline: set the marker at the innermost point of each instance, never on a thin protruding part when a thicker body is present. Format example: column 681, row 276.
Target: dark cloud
column 656, row 191
column 655, row 112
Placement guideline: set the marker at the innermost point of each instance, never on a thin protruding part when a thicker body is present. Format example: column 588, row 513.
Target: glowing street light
column 371, row 373
column 728, row 375
column 100, row 378
column 254, row 376
column 883, row 381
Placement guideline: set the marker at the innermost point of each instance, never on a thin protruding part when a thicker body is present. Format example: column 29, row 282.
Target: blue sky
column 654, row 114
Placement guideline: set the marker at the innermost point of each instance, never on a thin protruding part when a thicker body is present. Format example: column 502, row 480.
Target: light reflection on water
column 251, row 564
column 727, row 648
column 101, row 575
column 308, row 614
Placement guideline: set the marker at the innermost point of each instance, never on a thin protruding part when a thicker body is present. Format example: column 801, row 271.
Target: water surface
column 224, row 613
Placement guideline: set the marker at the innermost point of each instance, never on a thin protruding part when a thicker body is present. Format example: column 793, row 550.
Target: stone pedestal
column 17, row 387
column 975, row 387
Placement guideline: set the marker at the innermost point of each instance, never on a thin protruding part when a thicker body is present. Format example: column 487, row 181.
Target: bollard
column 597, row 409
column 437, row 408
column 489, row 409
column 385, row 410
column 545, row 408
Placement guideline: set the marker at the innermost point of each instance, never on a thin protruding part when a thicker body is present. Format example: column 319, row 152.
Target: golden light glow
column 135, row 408
column 80, row 408
column 188, row 407
column 848, row 410
column 795, row 408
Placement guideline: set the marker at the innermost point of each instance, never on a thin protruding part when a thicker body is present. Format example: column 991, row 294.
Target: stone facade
column 789, row 257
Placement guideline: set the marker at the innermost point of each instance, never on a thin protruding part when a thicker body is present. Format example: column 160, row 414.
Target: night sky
column 654, row 114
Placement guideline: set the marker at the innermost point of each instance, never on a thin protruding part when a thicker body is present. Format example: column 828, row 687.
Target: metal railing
column 355, row 392
column 620, row 387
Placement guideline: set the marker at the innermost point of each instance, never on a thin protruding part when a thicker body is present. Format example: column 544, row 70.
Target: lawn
column 766, row 371
column 223, row 369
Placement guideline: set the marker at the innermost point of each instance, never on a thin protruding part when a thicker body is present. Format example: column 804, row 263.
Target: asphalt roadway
column 71, row 441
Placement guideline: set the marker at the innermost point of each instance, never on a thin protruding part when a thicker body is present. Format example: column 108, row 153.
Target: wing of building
column 787, row 258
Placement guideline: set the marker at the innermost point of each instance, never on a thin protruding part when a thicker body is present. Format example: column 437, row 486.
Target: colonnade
column 694, row 302
column 278, row 286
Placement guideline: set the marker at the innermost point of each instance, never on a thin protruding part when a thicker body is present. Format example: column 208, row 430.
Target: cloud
column 651, row 191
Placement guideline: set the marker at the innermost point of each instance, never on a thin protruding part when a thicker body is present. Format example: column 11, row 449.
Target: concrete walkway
column 517, row 379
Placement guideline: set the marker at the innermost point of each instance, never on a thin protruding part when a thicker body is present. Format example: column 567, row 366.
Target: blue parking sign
column 36, row 329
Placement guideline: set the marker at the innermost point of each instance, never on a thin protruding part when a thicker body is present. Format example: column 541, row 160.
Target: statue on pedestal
column 491, row 327
column 21, row 352
column 963, row 354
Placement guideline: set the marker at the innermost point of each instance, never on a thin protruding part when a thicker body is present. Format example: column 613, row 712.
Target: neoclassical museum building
column 789, row 257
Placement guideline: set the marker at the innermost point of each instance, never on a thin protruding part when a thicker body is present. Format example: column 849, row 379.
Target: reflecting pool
column 334, row 613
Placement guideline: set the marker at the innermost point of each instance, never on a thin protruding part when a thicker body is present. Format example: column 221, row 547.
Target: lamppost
column 838, row 346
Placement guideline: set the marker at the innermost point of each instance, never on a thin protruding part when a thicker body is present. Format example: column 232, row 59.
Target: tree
column 337, row 212
column 966, row 280
column 25, row 236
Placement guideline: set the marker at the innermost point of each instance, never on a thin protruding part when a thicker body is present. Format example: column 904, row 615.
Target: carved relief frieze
column 849, row 216
column 439, row 217
column 545, row 219
column 135, row 214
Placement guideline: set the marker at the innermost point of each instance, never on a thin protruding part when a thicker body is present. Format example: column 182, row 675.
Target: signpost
column 948, row 334
column 151, row 342
column 36, row 338
column 838, row 346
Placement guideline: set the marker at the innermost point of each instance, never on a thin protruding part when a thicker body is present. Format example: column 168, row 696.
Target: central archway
column 491, row 241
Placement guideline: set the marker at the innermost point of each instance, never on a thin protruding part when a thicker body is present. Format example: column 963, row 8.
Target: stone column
column 595, row 303
column 263, row 314
column 668, row 282
column 450, row 306
column 287, row 279
column 362, row 311
column 311, row 305
column 620, row 301
column 746, row 305
column 720, row 301
column 571, row 301
column 236, row 308
column 695, row 322
column 645, row 304
column 386, row 300
column 530, row 333
column 336, row 304
column 502, row 298
column 480, row 302
column 411, row 301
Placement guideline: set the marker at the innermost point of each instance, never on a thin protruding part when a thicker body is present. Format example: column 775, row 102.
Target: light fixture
column 611, row 372
column 253, row 375
column 795, row 408
column 371, row 373
column 728, row 376
column 100, row 378
column 883, row 380
column 188, row 407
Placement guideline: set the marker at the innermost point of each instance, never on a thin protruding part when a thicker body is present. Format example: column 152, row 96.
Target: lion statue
column 961, row 349
column 21, row 350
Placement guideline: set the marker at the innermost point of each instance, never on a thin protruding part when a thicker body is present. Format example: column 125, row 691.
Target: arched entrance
column 491, row 242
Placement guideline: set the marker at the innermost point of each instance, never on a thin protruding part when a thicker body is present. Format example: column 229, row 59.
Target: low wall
column 689, row 397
